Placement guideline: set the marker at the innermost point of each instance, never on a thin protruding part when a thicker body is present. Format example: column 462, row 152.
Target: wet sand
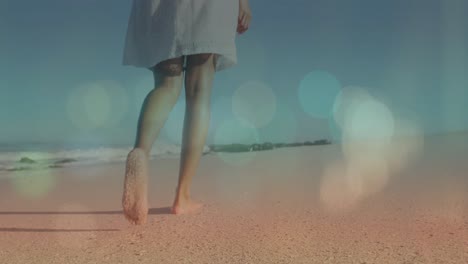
column 273, row 209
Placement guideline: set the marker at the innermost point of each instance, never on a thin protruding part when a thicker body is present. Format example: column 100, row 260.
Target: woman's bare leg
column 198, row 82
column 154, row 112
column 159, row 102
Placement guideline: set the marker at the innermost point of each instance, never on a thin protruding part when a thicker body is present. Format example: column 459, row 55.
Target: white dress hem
column 227, row 58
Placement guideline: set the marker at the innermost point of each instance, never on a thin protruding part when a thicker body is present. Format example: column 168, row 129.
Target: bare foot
column 135, row 199
column 186, row 207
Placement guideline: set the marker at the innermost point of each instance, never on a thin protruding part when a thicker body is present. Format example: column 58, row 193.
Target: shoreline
column 273, row 209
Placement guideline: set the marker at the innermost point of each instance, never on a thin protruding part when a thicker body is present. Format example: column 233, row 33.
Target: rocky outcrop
column 262, row 146
column 27, row 160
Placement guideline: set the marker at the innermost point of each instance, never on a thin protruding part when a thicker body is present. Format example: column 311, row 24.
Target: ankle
column 141, row 148
column 182, row 195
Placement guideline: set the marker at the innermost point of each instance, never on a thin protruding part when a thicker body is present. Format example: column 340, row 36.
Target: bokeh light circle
column 346, row 100
column 368, row 127
column 376, row 144
column 254, row 102
column 119, row 101
column 407, row 145
column 371, row 120
column 344, row 104
column 369, row 173
column 33, row 184
column 33, row 178
column 97, row 104
column 336, row 196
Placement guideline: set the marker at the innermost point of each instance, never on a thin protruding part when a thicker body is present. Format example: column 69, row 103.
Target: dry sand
column 274, row 209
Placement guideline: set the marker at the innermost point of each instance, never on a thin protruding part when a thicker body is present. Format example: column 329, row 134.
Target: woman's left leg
column 154, row 112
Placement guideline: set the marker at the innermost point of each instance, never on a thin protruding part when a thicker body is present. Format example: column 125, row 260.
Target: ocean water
column 15, row 157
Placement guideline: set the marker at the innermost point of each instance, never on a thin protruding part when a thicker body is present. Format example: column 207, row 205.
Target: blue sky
column 411, row 55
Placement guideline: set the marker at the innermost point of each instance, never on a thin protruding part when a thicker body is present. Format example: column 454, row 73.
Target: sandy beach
column 287, row 205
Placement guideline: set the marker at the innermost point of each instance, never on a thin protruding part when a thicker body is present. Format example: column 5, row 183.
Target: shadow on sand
column 19, row 229
column 152, row 211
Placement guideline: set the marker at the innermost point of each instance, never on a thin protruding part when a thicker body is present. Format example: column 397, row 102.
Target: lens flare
column 346, row 100
column 368, row 131
column 369, row 127
column 119, row 102
column 317, row 92
column 370, row 173
column 97, row 104
column 375, row 145
column 371, row 120
column 34, row 184
column 255, row 102
column 31, row 177
column 88, row 106
column 335, row 194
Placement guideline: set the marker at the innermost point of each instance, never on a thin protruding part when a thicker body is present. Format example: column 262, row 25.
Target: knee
column 168, row 73
column 169, row 69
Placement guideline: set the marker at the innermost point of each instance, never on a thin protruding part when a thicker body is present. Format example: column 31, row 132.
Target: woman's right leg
column 198, row 83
